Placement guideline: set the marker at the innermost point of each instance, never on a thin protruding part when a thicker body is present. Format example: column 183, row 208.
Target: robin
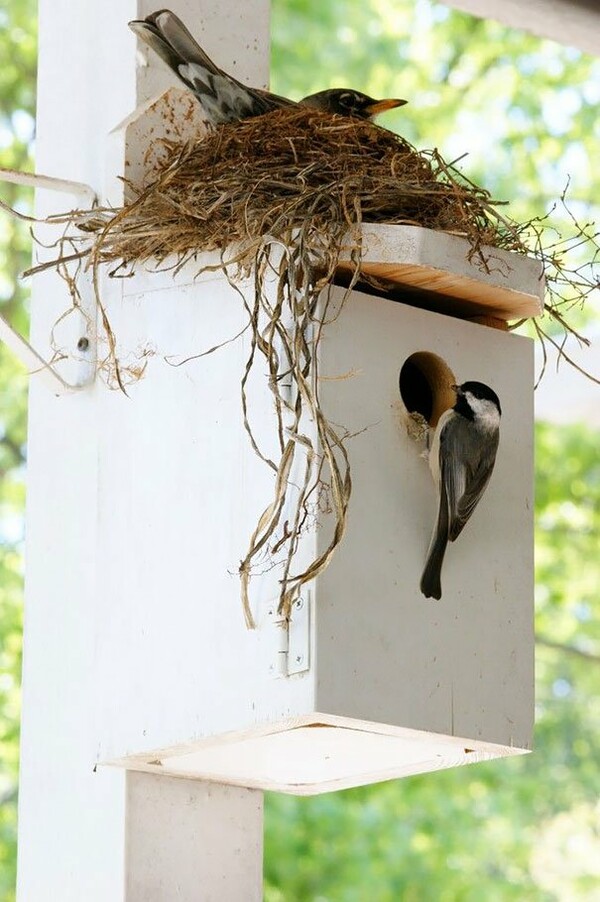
column 222, row 96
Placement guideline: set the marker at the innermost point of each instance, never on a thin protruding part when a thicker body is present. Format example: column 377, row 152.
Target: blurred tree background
column 517, row 829
column 18, row 49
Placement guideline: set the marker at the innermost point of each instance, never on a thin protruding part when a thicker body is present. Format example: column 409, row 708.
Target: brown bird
column 223, row 97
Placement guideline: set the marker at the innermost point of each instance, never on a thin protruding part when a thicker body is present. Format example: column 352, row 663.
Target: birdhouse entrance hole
column 426, row 383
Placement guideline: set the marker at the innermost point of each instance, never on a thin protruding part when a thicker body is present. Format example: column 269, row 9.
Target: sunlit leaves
column 17, row 105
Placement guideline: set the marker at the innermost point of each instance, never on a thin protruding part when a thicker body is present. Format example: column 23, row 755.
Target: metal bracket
column 85, row 343
column 286, row 646
column 273, row 634
column 85, row 192
column 298, row 656
column 36, row 364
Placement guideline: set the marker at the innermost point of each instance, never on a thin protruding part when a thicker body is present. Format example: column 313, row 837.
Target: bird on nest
column 225, row 99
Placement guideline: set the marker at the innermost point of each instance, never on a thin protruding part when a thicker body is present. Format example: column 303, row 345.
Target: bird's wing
column 464, row 484
column 223, row 96
column 175, row 33
column 476, row 485
column 200, row 71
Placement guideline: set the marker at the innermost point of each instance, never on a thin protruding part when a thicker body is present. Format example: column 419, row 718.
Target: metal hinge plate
column 84, row 329
column 298, row 657
column 285, row 647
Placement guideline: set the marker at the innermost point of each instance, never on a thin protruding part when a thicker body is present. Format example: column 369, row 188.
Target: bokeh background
column 526, row 113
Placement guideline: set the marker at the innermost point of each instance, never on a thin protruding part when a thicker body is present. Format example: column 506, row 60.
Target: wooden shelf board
column 313, row 754
column 436, row 266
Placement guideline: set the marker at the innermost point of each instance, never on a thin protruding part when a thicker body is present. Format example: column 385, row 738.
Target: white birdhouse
column 141, row 507
column 397, row 684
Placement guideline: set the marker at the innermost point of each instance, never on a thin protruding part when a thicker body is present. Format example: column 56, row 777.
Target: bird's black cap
column 479, row 390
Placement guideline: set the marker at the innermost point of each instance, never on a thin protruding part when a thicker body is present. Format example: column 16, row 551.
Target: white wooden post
column 192, row 841
column 71, row 819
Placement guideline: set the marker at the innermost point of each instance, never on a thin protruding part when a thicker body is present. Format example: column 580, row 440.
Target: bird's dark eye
column 347, row 99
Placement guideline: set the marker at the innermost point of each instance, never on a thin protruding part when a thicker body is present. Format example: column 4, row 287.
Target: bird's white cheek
column 486, row 412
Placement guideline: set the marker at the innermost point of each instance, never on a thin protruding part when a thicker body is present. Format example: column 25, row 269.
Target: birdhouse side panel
column 180, row 491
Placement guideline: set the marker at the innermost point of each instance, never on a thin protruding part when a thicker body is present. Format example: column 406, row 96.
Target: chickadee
column 461, row 459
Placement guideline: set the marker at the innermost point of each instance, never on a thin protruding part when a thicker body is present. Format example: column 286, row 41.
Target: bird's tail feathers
column 150, row 36
column 180, row 40
column 431, row 585
column 170, row 39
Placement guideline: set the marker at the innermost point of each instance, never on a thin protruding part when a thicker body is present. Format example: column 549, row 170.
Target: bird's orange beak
column 380, row 106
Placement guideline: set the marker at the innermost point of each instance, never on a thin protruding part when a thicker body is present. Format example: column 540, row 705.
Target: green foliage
column 17, row 106
column 525, row 110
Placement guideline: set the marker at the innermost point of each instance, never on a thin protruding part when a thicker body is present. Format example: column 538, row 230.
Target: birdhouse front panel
column 461, row 665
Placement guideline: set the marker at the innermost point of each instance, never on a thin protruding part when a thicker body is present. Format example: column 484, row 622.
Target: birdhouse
column 396, row 684
column 158, row 490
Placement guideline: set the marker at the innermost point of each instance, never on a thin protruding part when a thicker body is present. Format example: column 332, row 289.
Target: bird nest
column 297, row 170
column 282, row 197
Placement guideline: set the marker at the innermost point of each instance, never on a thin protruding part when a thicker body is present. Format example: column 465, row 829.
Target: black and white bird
column 223, row 97
column 461, row 459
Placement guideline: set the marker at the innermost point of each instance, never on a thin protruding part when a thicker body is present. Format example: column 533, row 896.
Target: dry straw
column 281, row 196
